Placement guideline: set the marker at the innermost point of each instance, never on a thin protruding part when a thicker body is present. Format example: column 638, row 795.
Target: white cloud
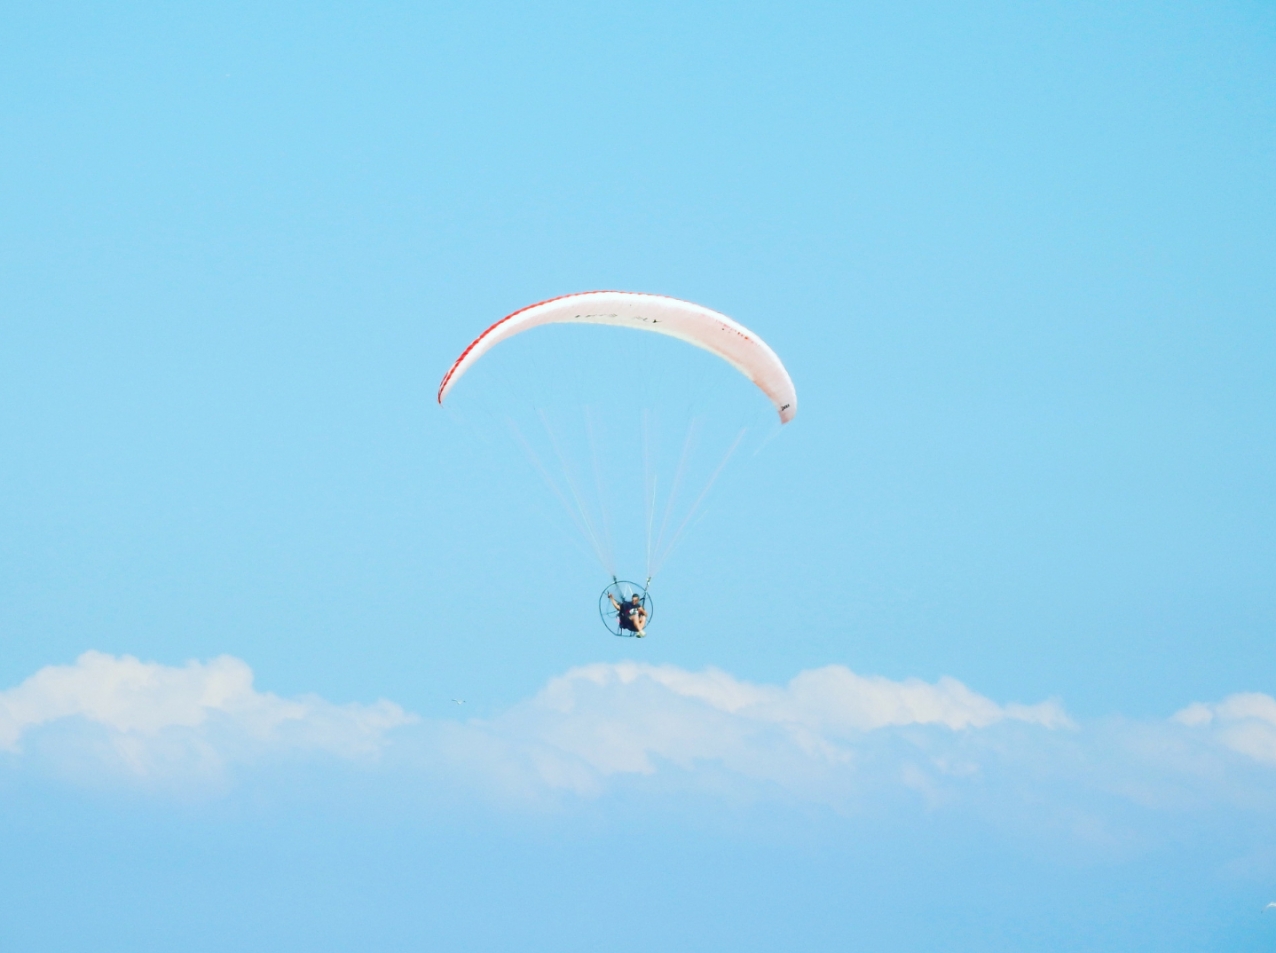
column 156, row 721
column 832, row 699
column 605, row 720
column 1244, row 723
column 827, row 736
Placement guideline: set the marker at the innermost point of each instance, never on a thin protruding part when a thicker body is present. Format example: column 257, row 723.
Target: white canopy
column 707, row 329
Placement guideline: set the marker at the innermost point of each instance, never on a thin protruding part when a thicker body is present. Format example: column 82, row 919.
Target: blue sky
column 975, row 655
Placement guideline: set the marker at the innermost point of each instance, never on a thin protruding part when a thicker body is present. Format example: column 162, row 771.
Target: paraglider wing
column 707, row 329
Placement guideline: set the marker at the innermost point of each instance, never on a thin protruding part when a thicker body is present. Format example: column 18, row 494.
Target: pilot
column 631, row 615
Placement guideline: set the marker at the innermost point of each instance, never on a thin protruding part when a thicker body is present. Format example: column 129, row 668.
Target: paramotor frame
column 623, row 591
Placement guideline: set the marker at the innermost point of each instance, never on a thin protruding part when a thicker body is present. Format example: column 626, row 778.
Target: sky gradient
column 975, row 656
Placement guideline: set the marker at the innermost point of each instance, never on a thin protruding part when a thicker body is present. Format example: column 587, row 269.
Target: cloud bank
column 148, row 721
column 828, row 736
column 809, row 737
column 1244, row 723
